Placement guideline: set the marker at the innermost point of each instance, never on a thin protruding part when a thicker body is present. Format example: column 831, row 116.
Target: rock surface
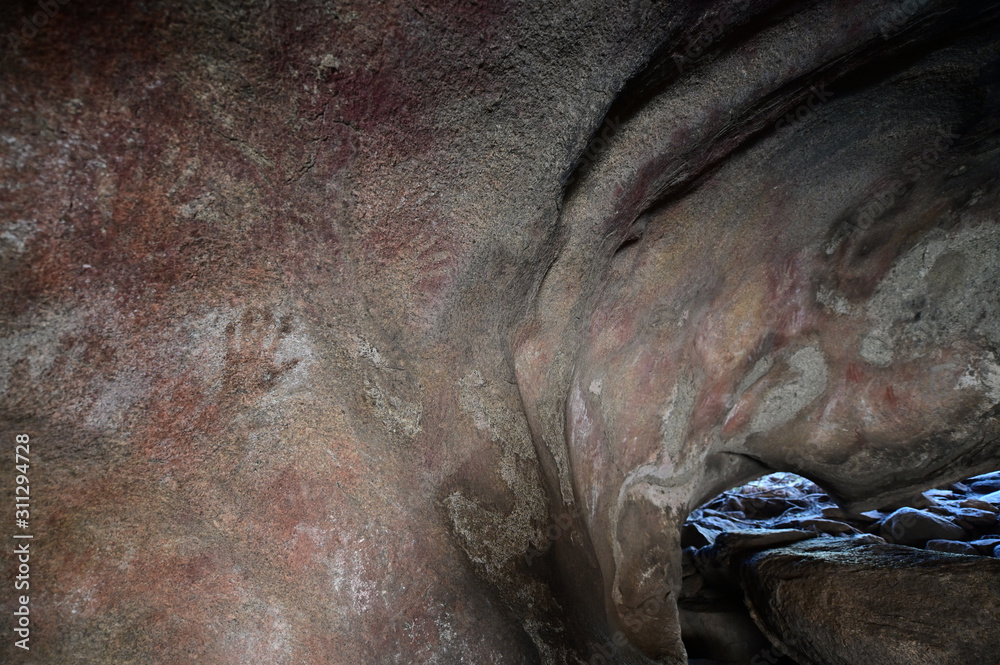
column 986, row 545
column 784, row 501
column 985, row 483
column 352, row 332
column 720, row 562
column 790, row 509
column 953, row 546
column 837, row 602
column 909, row 526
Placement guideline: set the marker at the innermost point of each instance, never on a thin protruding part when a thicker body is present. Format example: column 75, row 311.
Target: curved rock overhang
column 780, row 252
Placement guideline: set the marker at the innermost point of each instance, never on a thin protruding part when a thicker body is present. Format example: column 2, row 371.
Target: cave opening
column 725, row 539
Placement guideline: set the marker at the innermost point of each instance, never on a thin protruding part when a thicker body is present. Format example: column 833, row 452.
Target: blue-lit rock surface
column 744, row 527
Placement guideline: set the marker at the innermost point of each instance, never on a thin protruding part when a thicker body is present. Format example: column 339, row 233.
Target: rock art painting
column 422, row 331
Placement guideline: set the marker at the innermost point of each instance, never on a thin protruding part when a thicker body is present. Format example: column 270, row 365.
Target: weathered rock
column 986, row 545
column 953, row 546
column 757, row 508
column 985, row 483
column 411, row 331
column 936, row 496
column 980, row 505
column 991, row 498
column 837, row 602
column 720, row 562
column 909, row 526
column 695, row 536
column 919, row 501
column 723, row 632
column 831, row 527
column 840, row 515
column 710, row 523
column 970, row 519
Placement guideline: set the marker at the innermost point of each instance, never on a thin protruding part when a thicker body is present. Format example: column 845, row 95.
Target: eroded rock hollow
column 409, row 332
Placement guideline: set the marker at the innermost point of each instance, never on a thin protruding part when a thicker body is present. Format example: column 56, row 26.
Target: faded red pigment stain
column 192, row 573
column 890, row 399
column 142, row 249
column 415, row 238
column 854, row 373
column 393, row 122
column 425, row 255
column 293, row 499
column 183, row 572
column 901, row 404
column 790, row 297
column 612, row 327
column 189, row 589
column 375, row 91
column 207, row 583
column 712, row 402
column 185, row 420
column 653, row 370
column 181, row 420
column 122, row 225
column 739, row 416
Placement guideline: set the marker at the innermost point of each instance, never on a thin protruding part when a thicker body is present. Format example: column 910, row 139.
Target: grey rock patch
column 953, row 546
column 785, row 401
column 876, row 350
column 909, row 526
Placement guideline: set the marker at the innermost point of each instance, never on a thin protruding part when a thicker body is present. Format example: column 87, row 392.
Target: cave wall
column 351, row 333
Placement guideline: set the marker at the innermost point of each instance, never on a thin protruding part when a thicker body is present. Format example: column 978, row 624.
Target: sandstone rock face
column 837, row 602
column 405, row 332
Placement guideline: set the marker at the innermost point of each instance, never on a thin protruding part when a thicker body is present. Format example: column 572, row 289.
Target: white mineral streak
column 785, row 401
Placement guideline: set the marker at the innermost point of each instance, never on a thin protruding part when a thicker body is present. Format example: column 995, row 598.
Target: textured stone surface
column 411, row 332
column 953, row 546
column 986, row 483
column 986, row 545
column 837, row 602
column 908, row 526
column 720, row 562
column 714, row 625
